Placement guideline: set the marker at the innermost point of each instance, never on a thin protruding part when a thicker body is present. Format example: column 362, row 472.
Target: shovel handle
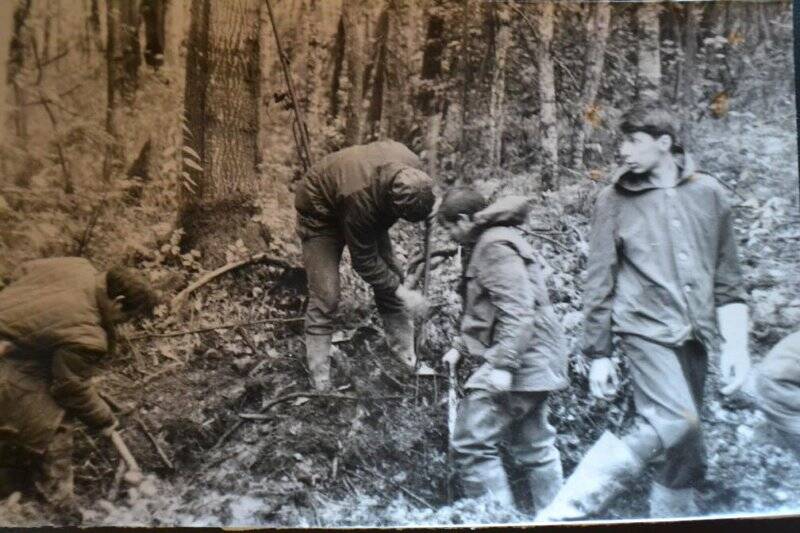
column 124, row 452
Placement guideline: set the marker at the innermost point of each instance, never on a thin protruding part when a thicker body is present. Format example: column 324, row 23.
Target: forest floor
column 196, row 408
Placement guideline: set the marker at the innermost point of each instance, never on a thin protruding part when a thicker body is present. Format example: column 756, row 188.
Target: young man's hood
column 506, row 211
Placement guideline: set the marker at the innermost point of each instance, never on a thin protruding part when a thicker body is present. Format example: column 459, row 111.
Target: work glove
column 734, row 361
column 414, row 302
column 603, row 378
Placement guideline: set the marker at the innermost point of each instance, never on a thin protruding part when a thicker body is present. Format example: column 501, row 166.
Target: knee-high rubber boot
column 399, row 329
column 318, row 350
column 545, row 481
column 603, row 473
column 488, row 479
column 669, row 503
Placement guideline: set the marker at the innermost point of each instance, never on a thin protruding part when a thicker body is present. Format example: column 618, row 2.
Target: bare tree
column 220, row 141
column 115, row 156
column 352, row 16
column 648, row 81
column 597, row 28
column 502, row 42
column 547, row 97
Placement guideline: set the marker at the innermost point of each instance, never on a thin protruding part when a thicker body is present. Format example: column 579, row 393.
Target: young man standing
column 509, row 323
column 56, row 330
column 663, row 276
column 352, row 197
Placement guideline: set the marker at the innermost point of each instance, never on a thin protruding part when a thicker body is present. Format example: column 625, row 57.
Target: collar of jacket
column 625, row 179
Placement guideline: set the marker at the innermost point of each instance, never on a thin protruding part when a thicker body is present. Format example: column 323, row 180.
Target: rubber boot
column 670, row 503
column 544, row 481
column 488, row 480
column 603, row 473
column 399, row 329
column 318, row 349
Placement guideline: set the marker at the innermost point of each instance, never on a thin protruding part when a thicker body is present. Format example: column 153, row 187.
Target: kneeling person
column 509, row 323
column 56, row 328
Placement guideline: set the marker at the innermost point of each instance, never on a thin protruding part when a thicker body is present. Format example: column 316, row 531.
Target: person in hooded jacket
column 509, row 323
column 351, row 198
column 56, row 330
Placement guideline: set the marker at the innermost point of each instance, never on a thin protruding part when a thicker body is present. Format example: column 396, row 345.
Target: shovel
column 134, row 474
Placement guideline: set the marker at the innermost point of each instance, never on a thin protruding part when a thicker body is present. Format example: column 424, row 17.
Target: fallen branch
column 544, row 238
column 213, row 328
column 262, row 258
column 415, row 497
column 153, row 440
column 260, row 415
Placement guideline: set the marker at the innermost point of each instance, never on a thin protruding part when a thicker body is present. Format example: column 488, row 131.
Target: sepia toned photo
column 364, row 263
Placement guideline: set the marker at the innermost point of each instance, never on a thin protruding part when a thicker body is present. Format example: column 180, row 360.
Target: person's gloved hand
column 734, row 367
column 499, row 380
column 413, row 301
column 451, row 358
column 603, row 379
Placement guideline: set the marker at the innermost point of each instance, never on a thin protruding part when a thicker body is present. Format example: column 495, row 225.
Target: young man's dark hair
column 137, row 296
column 653, row 120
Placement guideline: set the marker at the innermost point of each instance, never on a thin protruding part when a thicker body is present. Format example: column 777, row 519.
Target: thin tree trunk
column 153, row 13
column 376, row 101
column 688, row 97
column 314, row 67
column 338, row 65
column 502, row 42
column 648, row 81
column 597, row 37
column 130, row 20
column 115, row 157
column 6, row 35
column 430, row 100
column 16, row 63
column 399, row 49
column 174, row 31
column 352, row 15
column 547, row 98
column 220, row 152
column 465, row 73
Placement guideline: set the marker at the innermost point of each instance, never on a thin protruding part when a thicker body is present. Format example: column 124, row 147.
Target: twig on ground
column 260, row 415
column 213, row 328
column 388, row 375
column 545, row 238
column 166, row 369
column 182, row 296
column 153, row 440
column 405, row 491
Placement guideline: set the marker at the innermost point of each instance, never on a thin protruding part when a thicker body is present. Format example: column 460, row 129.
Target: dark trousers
column 668, row 388
column 321, row 256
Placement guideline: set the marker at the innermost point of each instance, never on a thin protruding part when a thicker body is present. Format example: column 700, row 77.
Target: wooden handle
column 124, row 452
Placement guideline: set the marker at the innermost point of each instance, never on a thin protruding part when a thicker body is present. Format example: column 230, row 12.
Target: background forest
column 163, row 134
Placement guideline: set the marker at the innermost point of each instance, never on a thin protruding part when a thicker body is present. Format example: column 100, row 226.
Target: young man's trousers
column 321, row 256
column 668, row 386
column 518, row 420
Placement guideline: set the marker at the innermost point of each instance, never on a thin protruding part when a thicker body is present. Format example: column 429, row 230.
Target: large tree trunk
column 115, row 156
column 376, row 102
column 220, row 147
column 547, row 97
column 589, row 114
column 315, row 62
column 648, row 81
column 338, row 66
column 430, row 100
column 353, row 15
column 502, row 42
column 397, row 110
column 153, row 13
column 130, row 20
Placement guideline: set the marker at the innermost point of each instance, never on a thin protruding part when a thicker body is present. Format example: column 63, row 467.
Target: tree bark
column 688, row 97
column 16, row 62
column 376, row 101
column 338, row 66
column 429, row 98
column 352, row 16
column 130, row 21
column 597, row 37
column 648, row 81
column 153, row 13
column 397, row 110
column 315, row 62
column 114, row 159
column 6, row 34
column 547, row 97
column 502, row 42
column 220, row 154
